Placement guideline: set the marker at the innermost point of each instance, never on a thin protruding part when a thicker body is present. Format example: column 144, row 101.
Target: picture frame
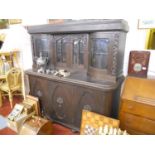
column 14, row 21
column 4, row 23
column 146, row 24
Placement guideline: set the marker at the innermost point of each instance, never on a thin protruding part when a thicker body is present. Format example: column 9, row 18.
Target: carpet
column 3, row 122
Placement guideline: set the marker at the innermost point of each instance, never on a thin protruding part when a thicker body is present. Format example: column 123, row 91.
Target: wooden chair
column 12, row 84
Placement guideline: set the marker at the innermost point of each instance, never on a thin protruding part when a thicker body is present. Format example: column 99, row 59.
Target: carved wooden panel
column 40, row 89
column 71, row 50
column 61, row 103
column 91, row 100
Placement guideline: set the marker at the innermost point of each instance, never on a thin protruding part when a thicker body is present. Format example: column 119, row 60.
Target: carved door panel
column 61, row 105
column 91, row 100
column 71, row 50
column 63, row 48
column 80, row 50
column 40, row 88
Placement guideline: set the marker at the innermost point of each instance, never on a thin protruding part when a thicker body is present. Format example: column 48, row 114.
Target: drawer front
column 140, row 109
column 134, row 132
column 139, row 124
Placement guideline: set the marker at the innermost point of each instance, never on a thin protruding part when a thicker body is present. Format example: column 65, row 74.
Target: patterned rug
column 3, row 122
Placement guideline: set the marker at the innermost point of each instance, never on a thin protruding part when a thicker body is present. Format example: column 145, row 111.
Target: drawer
column 137, row 108
column 139, row 124
column 133, row 132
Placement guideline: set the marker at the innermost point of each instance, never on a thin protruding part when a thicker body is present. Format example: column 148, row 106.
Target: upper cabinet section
column 96, row 46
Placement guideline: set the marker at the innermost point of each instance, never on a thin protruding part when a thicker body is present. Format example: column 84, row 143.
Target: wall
column 32, row 21
column 18, row 38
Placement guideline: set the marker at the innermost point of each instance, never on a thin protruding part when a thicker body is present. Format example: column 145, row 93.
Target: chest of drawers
column 137, row 107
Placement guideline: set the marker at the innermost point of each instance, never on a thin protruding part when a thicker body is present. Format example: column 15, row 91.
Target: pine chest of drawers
column 137, row 107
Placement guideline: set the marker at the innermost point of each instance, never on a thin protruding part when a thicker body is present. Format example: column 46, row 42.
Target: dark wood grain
column 93, row 52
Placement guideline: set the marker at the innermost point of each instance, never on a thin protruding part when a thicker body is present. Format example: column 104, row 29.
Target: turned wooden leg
column 11, row 99
column 0, row 98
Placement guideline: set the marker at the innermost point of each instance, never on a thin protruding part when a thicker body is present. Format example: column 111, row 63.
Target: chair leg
column 11, row 99
column 0, row 98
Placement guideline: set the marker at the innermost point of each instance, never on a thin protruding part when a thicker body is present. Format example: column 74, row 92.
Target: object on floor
column 21, row 112
column 5, row 110
column 17, row 116
column 91, row 123
column 34, row 102
column 22, row 119
column 17, row 110
column 107, row 130
column 138, row 63
column 36, row 125
column 12, row 85
column 3, row 122
column 137, row 107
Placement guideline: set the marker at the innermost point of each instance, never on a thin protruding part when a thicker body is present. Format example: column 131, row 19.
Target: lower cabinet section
column 63, row 102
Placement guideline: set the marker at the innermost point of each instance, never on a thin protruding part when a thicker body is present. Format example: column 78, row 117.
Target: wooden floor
column 5, row 110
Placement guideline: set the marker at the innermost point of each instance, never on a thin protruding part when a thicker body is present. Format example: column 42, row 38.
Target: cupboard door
column 80, row 50
column 42, row 46
column 40, row 88
column 101, row 50
column 61, row 103
column 63, row 49
column 92, row 100
column 99, row 53
column 71, row 50
column 106, row 54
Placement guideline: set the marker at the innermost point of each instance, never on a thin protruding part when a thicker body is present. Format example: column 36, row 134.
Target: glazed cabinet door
column 71, row 50
column 42, row 46
column 106, row 53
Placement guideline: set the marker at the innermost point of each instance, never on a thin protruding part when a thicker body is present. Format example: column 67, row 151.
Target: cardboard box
column 36, row 125
column 30, row 107
column 17, row 123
